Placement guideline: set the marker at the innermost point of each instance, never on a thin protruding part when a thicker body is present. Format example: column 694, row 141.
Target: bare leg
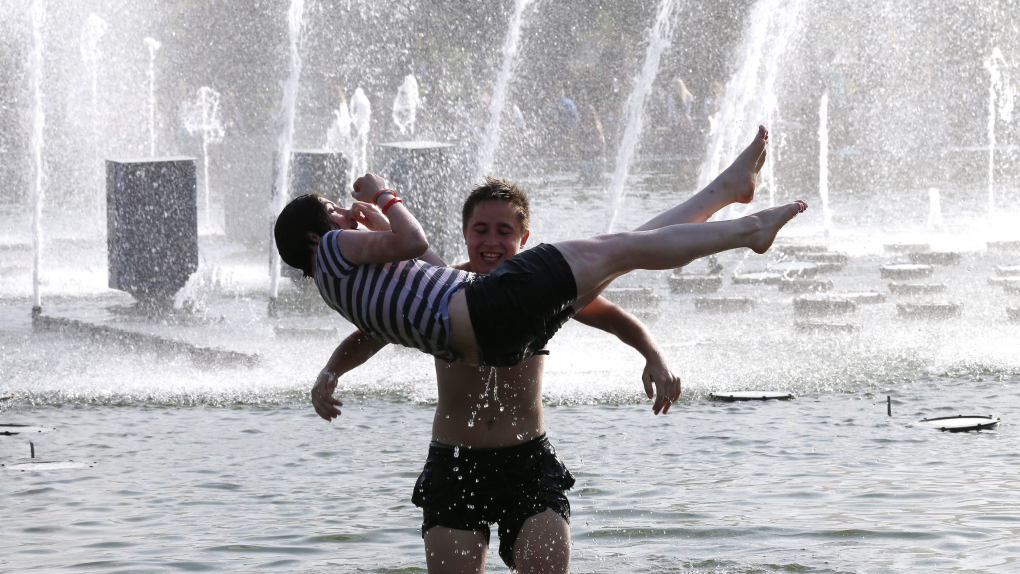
column 451, row 551
column 543, row 545
column 734, row 185
column 598, row 260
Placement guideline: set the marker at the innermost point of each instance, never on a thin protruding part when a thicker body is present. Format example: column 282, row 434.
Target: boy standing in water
column 489, row 460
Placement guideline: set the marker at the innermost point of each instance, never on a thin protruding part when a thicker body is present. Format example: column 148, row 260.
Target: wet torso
column 488, row 407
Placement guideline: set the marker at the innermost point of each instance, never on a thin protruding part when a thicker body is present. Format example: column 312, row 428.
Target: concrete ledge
column 791, row 269
column 929, row 310
column 917, row 288
column 907, row 247
column 935, row 258
column 133, row 339
column 804, row 286
column 1007, row 270
column 757, row 278
column 817, row 306
column 694, row 283
column 863, row 297
column 800, row 249
column 1013, row 314
column 905, row 271
column 820, row 327
column 724, row 304
column 640, row 297
column 1004, row 246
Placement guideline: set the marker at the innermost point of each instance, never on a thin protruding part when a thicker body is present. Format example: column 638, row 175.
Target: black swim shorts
column 518, row 307
column 470, row 488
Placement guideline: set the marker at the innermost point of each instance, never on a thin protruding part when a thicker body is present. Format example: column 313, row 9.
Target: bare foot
column 736, row 183
column 769, row 222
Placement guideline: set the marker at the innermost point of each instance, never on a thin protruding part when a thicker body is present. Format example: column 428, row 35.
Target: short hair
column 502, row 190
column 302, row 216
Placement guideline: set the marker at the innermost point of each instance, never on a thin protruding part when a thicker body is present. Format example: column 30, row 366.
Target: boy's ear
column 524, row 238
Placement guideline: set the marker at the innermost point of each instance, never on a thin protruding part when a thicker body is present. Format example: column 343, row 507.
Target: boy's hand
column 367, row 186
column 666, row 384
column 369, row 215
column 322, row 396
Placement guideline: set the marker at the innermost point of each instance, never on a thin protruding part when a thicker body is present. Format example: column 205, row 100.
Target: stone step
column 689, row 283
column 935, row 258
column 804, row 286
column 632, row 297
column 863, row 297
column 757, row 278
column 905, row 271
column 1013, row 314
column 917, row 288
column 790, row 269
column 907, row 247
column 1007, row 270
column 822, row 327
column 822, row 305
column 1004, row 246
column 800, row 248
column 929, row 310
column 724, row 304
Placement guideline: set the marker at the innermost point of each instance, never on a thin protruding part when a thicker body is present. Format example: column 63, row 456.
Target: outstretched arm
column 351, row 353
column 602, row 314
column 393, row 236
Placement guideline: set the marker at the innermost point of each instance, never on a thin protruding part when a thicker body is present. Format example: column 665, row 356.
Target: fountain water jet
column 490, row 142
column 38, row 16
column 823, row 161
column 94, row 29
column 934, row 210
column 1002, row 89
column 361, row 111
column 633, row 110
column 405, row 105
column 203, row 115
column 338, row 137
column 750, row 97
column 153, row 46
column 290, row 91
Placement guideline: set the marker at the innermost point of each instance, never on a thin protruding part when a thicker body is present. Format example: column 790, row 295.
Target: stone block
column 724, row 304
column 152, row 225
column 632, row 297
column 1004, row 246
column 907, row 247
column 757, row 278
column 426, row 176
column 820, row 306
column 905, row 271
column 689, row 283
column 804, row 286
column 827, row 328
column 917, row 288
column 929, row 310
column 790, row 269
column 935, row 258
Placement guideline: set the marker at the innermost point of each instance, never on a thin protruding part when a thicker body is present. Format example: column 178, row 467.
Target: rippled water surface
column 824, row 483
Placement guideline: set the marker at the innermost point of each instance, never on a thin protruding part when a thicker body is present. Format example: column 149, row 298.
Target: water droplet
column 459, row 477
column 471, row 423
column 456, row 451
column 471, row 506
column 520, row 436
column 456, row 468
column 500, row 409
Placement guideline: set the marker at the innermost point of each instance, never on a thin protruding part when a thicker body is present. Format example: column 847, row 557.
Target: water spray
column 823, row 160
column 405, row 104
column 633, row 110
column 511, row 45
column 203, row 116
column 153, row 45
column 35, row 64
column 290, row 91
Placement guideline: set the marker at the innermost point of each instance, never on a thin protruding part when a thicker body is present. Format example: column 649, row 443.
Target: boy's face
column 337, row 215
column 493, row 234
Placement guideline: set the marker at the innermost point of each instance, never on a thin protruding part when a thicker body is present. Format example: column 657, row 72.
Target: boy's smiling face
column 493, row 235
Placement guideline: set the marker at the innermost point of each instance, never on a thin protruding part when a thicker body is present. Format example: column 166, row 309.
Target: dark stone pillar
column 432, row 184
column 152, row 226
column 317, row 171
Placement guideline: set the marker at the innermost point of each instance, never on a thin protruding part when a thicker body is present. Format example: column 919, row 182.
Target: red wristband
column 389, row 204
column 382, row 191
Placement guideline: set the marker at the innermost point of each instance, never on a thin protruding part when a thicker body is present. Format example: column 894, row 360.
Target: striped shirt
column 405, row 303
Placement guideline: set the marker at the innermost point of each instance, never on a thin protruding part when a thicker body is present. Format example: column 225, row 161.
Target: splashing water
column 94, row 29
column 338, row 137
column 405, row 105
column 823, row 160
column 35, row 65
column 361, row 111
column 153, row 46
column 633, row 110
column 750, row 97
column 290, row 91
column 490, row 141
column 934, row 210
column 203, row 116
column 1001, row 90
